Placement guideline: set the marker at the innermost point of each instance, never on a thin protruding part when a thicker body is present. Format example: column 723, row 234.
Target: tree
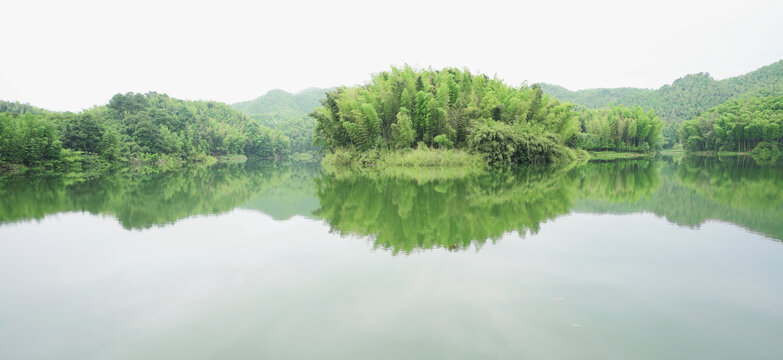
column 83, row 132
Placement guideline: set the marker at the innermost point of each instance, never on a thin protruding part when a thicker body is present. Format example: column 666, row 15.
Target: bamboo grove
column 450, row 108
column 620, row 128
column 739, row 125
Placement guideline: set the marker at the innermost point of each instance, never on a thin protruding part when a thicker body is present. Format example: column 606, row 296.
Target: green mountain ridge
column 16, row 107
column 685, row 98
column 287, row 113
column 281, row 103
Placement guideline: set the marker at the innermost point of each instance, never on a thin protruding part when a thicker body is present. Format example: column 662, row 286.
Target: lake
column 644, row 259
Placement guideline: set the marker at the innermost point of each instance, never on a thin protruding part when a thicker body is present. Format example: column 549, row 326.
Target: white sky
column 70, row 55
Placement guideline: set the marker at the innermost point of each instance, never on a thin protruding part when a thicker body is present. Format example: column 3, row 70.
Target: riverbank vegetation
column 407, row 117
column 735, row 116
column 743, row 125
column 620, row 129
column 421, row 156
column 133, row 129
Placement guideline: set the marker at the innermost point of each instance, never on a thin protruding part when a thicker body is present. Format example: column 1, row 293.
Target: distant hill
column 19, row 108
column 282, row 104
column 685, row 98
column 287, row 113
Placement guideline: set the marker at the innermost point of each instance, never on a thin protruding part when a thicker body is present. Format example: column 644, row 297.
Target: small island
column 450, row 117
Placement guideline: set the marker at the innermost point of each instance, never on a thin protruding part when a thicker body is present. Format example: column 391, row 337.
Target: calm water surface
column 654, row 259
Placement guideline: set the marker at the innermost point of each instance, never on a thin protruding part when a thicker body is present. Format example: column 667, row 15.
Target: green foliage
column 28, row 139
column 157, row 124
column 281, row 103
column 443, row 141
column 419, row 157
column 766, row 151
column 82, row 133
column 738, row 125
column 685, row 97
column 670, row 135
column 619, row 128
column 447, row 108
column 137, row 128
column 403, row 134
column 496, row 140
column 19, row 108
column 287, row 114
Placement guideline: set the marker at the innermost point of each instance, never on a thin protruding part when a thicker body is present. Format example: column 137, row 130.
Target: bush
column 765, row 151
column 495, row 140
column 540, row 149
column 443, row 141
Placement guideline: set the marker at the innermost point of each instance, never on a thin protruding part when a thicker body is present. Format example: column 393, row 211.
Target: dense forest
column 450, row 108
column 741, row 125
column 619, row 128
column 685, row 97
column 146, row 128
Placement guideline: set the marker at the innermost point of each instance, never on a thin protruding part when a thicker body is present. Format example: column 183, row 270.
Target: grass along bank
column 419, row 157
column 614, row 155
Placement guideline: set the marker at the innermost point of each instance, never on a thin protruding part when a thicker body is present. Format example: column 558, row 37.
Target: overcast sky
column 70, row 55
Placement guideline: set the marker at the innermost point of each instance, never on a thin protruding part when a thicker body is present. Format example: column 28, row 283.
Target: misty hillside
column 287, row 113
column 282, row 104
column 685, row 98
column 16, row 107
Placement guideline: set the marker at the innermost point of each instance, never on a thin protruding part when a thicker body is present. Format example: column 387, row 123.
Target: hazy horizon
column 72, row 56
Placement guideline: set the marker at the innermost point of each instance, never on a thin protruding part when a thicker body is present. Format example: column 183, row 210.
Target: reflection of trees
column 405, row 215
column 618, row 181
column 738, row 182
column 698, row 189
column 142, row 201
column 409, row 211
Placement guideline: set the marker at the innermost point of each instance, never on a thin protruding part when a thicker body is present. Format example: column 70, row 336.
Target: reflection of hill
column 404, row 213
column 292, row 193
column 407, row 215
column 699, row 189
column 142, row 201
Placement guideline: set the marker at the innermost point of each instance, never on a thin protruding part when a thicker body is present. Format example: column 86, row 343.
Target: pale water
column 625, row 260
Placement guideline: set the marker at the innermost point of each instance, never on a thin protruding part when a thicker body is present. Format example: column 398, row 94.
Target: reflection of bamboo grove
column 404, row 213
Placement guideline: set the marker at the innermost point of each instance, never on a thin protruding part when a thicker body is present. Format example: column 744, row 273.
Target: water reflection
column 699, row 189
column 406, row 212
column 404, row 215
column 144, row 200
